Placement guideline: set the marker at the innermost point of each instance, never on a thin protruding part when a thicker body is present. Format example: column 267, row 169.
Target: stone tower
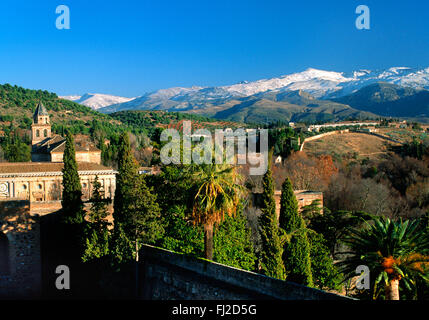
column 41, row 128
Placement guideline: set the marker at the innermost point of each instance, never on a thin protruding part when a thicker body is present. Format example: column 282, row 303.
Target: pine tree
column 180, row 234
column 98, row 213
column 136, row 211
column 96, row 242
column 271, row 262
column 325, row 273
column 145, row 216
column 296, row 255
column 120, row 247
column 72, row 205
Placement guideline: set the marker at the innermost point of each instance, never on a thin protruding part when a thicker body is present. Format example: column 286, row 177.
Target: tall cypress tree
column 72, row 204
column 96, row 232
column 271, row 262
column 296, row 255
column 121, row 246
column 125, row 180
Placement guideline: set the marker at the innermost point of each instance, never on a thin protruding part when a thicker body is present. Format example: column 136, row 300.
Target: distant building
column 369, row 130
column 40, row 183
column 149, row 170
column 304, row 198
column 317, row 127
column 48, row 147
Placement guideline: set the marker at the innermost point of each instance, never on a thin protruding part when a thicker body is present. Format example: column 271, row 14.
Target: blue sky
column 131, row 47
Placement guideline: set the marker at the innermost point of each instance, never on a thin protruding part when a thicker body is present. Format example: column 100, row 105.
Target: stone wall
column 306, row 198
column 81, row 156
column 165, row 275
column 23, row 278
column 303, row 197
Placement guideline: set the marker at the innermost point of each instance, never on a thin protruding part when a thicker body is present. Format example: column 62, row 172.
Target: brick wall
column 22, row 230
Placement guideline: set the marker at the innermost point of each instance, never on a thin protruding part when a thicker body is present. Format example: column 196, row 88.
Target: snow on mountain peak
column 97, row 100
column 318, row 83
column 398, row 69
column 312, row 73
column 311, row 78
column 171, row 92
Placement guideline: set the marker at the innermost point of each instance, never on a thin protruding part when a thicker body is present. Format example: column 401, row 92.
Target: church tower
column 41, row 128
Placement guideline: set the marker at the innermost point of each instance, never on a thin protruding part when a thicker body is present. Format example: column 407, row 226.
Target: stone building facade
column 40, row 183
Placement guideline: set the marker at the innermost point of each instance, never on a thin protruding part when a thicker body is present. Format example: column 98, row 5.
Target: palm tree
column 217, row 193
column 392, row 250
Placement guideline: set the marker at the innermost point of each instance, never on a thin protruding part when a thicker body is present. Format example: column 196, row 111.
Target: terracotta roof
column 80, row 145
column 57, row 144
column 47, row 145
column 33, row 167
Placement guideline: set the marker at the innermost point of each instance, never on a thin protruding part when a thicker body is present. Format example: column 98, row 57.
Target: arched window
column 4, row 255
column 37, row 133
column 45, row 133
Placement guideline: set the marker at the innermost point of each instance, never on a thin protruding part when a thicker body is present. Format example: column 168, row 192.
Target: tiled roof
column 47, row 145
column 35, row 167
column 80, row 145
column 57, row 144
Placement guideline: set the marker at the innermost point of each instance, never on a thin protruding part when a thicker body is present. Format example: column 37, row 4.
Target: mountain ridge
column 96, row 100
column 388, row 99
column 319, row 83
column 320, row 90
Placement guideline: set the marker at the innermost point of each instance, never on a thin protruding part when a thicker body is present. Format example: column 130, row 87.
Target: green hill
column 297, row 106
column 150, row 120
column 390, row 100
column 17, row 106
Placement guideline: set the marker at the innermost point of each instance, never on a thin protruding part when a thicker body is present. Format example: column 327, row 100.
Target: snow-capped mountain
column 328, row 84
column 319, row 83
column 97, row 100
column 316, row 82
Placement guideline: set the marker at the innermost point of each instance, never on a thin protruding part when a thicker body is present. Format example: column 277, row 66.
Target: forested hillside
column 17, row 106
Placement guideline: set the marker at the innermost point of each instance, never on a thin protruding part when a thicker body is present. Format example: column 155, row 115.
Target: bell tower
column 41, row 127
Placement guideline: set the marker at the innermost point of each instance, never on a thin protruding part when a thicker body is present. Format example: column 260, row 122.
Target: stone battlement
column 170, row 276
